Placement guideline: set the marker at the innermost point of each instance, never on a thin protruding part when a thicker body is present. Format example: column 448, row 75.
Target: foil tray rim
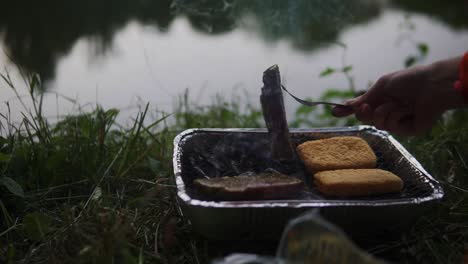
column 437, row 191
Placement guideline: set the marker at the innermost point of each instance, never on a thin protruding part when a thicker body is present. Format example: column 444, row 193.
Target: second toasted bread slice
column 336, row 153
column 360, row 182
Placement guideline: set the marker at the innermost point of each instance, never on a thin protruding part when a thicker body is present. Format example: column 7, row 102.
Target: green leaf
column 328, row 71
column 3, row 141
column 410, row 61
column 111, row 114
column 36, row 225
column 4, row 157
column 423, row 49
column 55, row 160
column 336, row 94
column 154, row 165
column 303, row 110
column 12, row 186
column 11, row 252
column 347, row 69
column 141, row 259
column 437, row 130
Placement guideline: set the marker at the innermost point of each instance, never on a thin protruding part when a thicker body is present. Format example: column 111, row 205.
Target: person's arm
column 409, row 101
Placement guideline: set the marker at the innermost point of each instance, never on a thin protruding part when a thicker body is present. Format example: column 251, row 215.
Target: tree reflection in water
column 36, row 34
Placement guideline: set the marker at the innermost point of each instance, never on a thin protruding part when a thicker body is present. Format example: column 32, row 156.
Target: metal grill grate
column 217, row 154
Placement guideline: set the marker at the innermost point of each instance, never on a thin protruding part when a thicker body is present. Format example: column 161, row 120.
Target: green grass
column 86, row 190
column 441, row 236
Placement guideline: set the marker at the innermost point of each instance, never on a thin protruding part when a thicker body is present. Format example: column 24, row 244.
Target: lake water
column 122, row 55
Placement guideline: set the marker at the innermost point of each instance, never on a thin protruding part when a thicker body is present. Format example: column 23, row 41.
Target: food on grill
column 336, row 153
column 357, row 182
column 262, row 186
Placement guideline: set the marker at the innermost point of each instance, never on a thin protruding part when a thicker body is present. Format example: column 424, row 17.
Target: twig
column 10, row 228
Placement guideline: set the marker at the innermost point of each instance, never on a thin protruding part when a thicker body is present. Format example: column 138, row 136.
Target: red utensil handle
column 462, row 84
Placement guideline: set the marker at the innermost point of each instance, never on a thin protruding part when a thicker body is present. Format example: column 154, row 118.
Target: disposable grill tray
column 209, row 153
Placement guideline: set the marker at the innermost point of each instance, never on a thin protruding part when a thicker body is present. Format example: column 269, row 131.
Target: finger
column 354, row 101
column 374, row 96
column 362, row 105
column 341, row 111
column 350, row 106
column 381, row 113
column 364, row 113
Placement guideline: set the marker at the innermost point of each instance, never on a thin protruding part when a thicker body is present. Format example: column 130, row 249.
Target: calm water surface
column 121, row 54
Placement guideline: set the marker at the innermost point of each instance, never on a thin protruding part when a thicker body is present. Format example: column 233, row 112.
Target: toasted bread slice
column 357, row 182
column 336, row 153
column 264, row 186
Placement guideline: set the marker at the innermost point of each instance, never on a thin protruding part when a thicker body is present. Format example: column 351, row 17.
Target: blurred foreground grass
column 86, row 190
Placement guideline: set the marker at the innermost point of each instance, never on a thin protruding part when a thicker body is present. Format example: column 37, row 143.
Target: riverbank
column 87, row 190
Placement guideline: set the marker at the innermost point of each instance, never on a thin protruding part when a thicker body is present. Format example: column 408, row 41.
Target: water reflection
column 36, row 34
column 453, row 13
column 310, row 24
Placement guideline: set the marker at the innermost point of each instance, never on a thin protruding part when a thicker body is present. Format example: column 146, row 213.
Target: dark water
column 126, row 53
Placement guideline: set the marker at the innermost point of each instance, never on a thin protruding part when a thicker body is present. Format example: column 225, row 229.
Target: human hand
column 409, row 101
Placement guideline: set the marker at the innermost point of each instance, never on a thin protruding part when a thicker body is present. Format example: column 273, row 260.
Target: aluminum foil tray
column 228, row 152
